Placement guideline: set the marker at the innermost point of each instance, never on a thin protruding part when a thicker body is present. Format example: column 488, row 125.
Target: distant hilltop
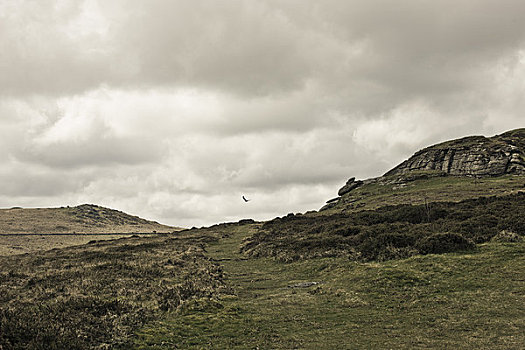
column 475, row 157
column 85, row 218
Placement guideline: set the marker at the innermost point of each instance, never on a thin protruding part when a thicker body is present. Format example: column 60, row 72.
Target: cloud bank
column 174, row 109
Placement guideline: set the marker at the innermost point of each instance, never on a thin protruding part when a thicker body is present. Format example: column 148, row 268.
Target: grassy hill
column 418, row 259
column 26, row 230
column 86, row 218
column 97, row 295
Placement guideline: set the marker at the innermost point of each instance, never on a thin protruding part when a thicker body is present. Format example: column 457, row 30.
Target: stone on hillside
column 506, row 237
column 246, row 221
column 333, row 200
column 351, row 184
column 473, row 156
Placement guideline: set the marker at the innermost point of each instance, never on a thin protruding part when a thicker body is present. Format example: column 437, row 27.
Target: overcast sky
column 172, row 110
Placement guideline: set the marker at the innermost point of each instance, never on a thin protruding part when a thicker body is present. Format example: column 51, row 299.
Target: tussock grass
column 98, row 295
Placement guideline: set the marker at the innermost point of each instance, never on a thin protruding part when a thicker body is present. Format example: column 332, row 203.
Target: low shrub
column 375, row 245
column 446, row 242
column 390, row 231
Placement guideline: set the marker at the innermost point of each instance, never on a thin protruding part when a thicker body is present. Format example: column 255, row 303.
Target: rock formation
column 477, row 156
column 349, row 186
column 474, row 156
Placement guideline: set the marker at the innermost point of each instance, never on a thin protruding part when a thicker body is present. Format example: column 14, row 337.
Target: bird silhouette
column 246, row 200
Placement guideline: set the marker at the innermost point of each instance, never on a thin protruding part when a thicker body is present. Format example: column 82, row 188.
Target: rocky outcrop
column 474, row 156
column 331, row 203
column 350, row 185
column 470, row 156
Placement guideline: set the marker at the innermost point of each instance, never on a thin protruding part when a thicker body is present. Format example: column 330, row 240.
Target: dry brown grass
column 13, row 244
column 95, row 296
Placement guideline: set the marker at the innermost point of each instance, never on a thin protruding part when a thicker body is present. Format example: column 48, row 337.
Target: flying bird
column 246, row 200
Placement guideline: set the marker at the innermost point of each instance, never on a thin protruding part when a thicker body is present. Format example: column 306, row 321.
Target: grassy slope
column 391, row 232
column 466, row 301
column 454, row 300
column 433, row 189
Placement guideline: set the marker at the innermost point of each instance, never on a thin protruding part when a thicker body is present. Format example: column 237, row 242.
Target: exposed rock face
column 475, row 156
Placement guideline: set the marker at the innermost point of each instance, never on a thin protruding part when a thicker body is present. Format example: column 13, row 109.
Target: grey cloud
column 72, row 135
column 273, row 160
column 22, row 180
column 232, row 45
column 407, row 50
column 39, row 56
column 100, row 152
column 295, row 112
column 241, row 46
column 260, row 48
